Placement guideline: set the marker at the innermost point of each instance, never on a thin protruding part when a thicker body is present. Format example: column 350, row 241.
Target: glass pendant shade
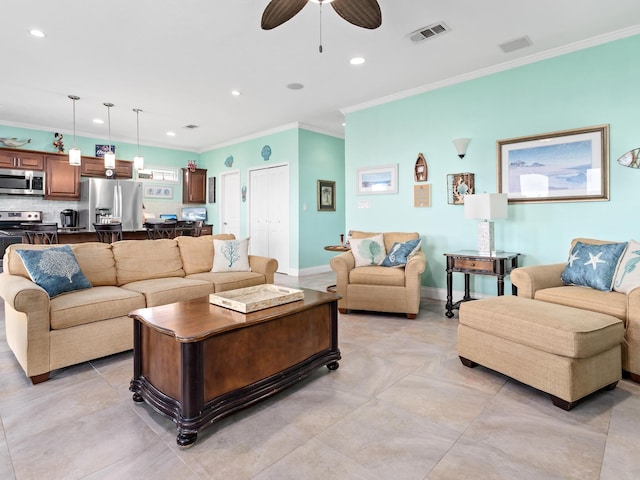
column 75, row 157
column 138, row 162
column 110, row 160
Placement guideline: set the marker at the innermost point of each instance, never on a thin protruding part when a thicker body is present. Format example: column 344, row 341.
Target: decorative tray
column 250, row 299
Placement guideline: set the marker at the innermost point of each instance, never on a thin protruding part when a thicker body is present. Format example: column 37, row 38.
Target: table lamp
column 487, row 207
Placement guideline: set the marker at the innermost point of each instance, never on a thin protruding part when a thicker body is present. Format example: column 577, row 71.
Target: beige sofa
column 542, row 282
column 46, row 334
column 377, row 288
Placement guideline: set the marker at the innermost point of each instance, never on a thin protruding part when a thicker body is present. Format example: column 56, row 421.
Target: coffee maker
column 69, row 218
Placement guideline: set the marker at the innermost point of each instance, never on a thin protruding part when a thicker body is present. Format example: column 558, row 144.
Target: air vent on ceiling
column 516, row 44
column 191, row 126
column 431, row 31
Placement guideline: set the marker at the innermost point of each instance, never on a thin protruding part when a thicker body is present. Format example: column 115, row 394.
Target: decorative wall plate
column 266, row 152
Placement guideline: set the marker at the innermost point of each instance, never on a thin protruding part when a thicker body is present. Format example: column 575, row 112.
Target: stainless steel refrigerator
column 122, row 199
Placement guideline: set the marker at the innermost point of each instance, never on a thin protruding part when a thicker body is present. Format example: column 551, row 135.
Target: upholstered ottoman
column 566, row 352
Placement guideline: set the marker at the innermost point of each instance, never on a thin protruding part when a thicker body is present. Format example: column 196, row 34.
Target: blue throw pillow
column 593, row 265
column 400, row 253
column 54, row 269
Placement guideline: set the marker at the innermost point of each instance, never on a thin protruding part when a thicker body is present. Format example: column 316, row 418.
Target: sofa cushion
column 593, row 265
column 93, row 305
column 390, row 277
column 231, row 255
column 401, row 252
column 197, row 252
column 95, row 259
column 611, row 303
column 224, row 281
column 161, row 291
column 368, row 251
column 54, row 269
column 627, row 275
column 146, row 259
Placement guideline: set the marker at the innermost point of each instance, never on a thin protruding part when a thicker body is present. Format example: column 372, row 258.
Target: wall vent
column 516, row 44
column 431, row 31
column 191, row 126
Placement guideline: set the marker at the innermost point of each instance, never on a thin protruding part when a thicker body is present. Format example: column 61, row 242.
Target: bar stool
column 157, row 231
column 191, row 228
column 41, row 233
column 108, row 232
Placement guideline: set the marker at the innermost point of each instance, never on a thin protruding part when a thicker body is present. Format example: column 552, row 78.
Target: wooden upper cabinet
column 21, row 159
column 62, row 181
column 194, row 185
column 94, row 167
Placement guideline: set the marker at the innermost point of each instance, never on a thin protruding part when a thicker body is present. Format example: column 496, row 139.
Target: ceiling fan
column 361, row 13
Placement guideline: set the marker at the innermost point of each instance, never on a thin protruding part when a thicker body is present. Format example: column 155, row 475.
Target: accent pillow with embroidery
column 627, row 276
column 401, row 252
column 593, row 265
column 231, row 255
column 368, row 251
column 54, row 269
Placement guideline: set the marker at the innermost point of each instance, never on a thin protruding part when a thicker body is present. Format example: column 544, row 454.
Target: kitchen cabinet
column 94, row 167
column 21, row 159
column 62, row 181
column 194, row 185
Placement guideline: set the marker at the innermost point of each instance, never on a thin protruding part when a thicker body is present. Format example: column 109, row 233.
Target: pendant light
column 110, row 156
column 74, row 154
column 138, row 161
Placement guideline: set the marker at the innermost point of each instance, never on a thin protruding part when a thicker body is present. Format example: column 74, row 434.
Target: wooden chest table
column 196, row 362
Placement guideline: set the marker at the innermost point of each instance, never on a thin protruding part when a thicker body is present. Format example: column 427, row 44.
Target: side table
column 472, row 262
column 335, row 248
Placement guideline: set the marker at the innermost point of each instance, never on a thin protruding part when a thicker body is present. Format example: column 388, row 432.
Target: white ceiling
column 178, row 60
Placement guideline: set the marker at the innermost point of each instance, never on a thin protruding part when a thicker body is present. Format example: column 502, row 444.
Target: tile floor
column 401, row 406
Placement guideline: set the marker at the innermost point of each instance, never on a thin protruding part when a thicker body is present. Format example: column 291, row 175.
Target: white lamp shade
column 461, row 145
column 138, row 162
column 110, row 160
column 485, row 206
column 75, row 157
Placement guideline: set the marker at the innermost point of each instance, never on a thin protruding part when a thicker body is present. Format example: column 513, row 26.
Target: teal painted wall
column 585, row 88
column 153, row 156
column 310, row 156
column 321, row 158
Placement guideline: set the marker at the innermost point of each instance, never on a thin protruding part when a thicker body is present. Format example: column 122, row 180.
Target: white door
column 269, row 214
column 230, row 203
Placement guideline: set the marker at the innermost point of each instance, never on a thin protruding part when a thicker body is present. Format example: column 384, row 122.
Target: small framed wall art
column 422, row 195
column 421, row 174
column 376, row 180
column 459, row 185
column 326, row 196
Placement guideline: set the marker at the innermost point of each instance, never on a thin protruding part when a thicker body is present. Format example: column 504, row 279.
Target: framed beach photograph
column 377, row 180
column 564, row 166
column 326, row 196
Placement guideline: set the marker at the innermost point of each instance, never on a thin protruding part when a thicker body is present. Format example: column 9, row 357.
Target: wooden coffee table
column 196, row 362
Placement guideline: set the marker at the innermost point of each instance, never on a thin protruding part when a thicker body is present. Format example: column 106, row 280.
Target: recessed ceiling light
column 171, row 134
column 357, row 61
column 295, row 86
column 235, row 93
column 37, row 33
column 344, row 124
column 99, row 121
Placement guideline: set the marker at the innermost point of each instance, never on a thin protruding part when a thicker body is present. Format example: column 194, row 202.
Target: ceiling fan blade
column 361, row 13
column 279, row 11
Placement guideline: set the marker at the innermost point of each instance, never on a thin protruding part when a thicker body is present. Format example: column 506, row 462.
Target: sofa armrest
column 416, row 264
column 22, row 294
column 536, row 277
column 264, row 265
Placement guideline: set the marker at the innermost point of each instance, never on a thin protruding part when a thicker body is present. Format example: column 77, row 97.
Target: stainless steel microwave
column 21, row 182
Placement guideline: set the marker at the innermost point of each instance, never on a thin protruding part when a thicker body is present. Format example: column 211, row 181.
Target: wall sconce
column 138, row 161
column 461, row 145
column 75, row 156
column 109, row 157
column 486, row 207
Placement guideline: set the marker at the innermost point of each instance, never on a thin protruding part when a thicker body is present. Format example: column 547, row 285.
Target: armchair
column 377, row 288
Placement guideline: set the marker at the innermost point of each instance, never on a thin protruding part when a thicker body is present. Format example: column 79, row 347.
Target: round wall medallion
column 266, row 152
